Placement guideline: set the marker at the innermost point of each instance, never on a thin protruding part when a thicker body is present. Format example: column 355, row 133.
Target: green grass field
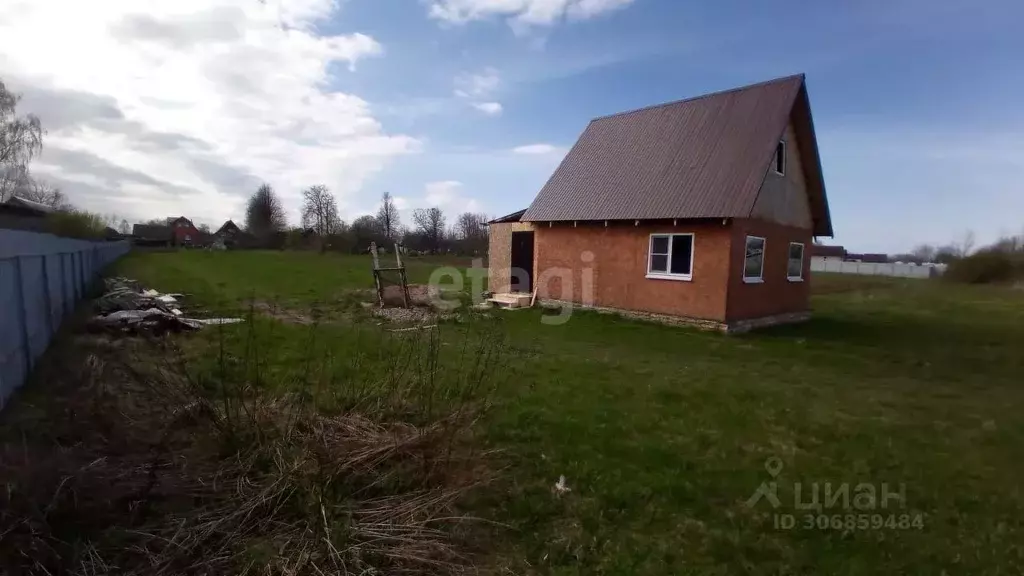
column 663, row 433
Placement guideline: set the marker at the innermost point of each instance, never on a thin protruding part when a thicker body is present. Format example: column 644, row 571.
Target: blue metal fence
column 42, row 277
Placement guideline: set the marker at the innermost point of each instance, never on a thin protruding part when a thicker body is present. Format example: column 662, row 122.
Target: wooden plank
column 380, row 288
column 405, row 288
column 376, row 259
column 414, row 328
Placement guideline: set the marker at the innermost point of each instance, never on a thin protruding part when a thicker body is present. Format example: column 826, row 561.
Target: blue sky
column 470, row 104
column 917, row 107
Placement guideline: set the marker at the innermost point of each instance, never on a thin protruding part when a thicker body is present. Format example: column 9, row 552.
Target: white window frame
column 803, row 254
column 781, row 147
column 764, row 250
column 669, row 275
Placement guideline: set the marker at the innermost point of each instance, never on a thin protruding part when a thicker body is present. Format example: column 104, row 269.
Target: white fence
column 819, row 264
column 42, row 277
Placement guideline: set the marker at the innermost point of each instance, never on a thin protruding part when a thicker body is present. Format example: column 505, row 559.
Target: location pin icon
column 773, row 465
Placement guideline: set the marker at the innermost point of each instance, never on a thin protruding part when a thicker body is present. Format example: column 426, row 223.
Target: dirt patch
column 419, row 295
column 417, row 315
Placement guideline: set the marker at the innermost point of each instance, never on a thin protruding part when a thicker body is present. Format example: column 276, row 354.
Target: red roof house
column 184, row 232
column 698, row 211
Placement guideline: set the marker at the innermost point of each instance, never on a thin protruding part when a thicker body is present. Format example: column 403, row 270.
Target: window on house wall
column 670, row 257
column 753, row 263
column 780, row 158
column 795, row 266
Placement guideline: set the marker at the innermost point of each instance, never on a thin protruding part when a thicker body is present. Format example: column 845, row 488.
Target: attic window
column 780, row 158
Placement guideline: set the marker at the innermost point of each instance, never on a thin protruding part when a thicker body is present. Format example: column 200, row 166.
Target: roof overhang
column 803, row 123
column 513, row 217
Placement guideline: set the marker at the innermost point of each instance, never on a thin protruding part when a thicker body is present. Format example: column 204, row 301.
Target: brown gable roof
column 228, row 226
column 152, row 232
column 705, row 157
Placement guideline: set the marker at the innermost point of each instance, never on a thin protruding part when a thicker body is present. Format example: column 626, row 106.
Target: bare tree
column 21, row 139
column 966, row 245
column 14, row 181
column 124, row 227
column 319, row 210
column 471, row 226
column 264, row 214
column 430, row 222
column 364, row 230
column 946, row 254
column 923, row 253
column 388, row 220
column 204, row 228
column 45, row 194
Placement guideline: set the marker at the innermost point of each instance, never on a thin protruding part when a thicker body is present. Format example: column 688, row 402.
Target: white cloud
column 479, row 85
column 489, row 108
column 179, row 107
column 441, row 193
column 522, row 12
column 448, row 196
column 538, row 149
column 477, row 88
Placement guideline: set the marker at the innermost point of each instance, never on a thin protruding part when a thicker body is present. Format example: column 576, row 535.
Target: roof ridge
column 781, row 79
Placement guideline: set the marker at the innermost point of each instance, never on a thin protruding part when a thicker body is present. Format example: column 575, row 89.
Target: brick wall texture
column 618, row 266
column 605, row 267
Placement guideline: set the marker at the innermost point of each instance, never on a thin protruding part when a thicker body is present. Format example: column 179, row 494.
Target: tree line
column 321, row 226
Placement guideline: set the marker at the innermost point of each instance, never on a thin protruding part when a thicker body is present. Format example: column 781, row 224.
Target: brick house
column 698, row 211
column 184, row 232
column 234, row 237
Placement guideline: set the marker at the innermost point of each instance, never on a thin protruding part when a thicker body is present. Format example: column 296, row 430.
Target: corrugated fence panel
column 876, row 269
column 42, row 277
column 12, row 359
column 34, row 305
column 54, row 290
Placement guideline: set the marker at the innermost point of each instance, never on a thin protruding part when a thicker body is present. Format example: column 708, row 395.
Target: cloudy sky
column 184, row 106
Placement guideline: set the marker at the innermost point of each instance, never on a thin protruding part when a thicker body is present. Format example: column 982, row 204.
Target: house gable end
column 797, row 197
column 783, row 198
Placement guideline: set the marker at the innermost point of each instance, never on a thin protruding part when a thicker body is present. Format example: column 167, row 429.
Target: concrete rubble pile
column 128, row 307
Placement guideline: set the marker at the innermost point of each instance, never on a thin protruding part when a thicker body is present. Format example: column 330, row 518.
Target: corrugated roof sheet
column 705, row 157
column 152, row 232
column 513, row 217
column 25, row 203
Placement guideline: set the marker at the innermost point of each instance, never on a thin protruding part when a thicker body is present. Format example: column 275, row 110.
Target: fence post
column 19, row 292
column 46, row 296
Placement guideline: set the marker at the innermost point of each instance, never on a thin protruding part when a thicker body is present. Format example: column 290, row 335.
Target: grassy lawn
column 663, row 433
